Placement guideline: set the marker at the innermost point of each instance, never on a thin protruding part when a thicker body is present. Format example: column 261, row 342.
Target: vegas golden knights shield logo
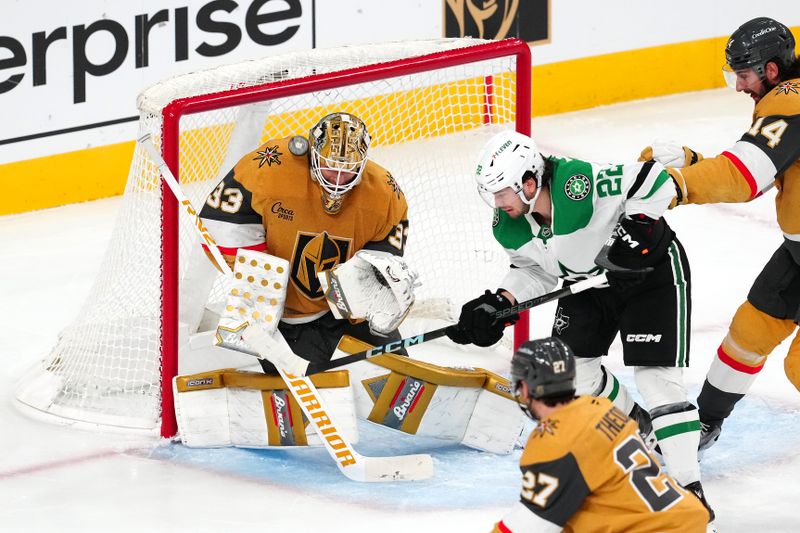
column 498, row 19
column 314, row 253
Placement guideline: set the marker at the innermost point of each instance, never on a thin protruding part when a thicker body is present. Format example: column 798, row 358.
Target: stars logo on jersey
column 561, row 321
column 787, row 87
column 315, row 253
column 572, row 275
column 577, row 187
column 268, row 155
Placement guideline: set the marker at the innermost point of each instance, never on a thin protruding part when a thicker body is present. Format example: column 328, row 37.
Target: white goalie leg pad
column 256, row 297
column 471, row 406
column 253, row 410
column 497, row 421
column 376, row 286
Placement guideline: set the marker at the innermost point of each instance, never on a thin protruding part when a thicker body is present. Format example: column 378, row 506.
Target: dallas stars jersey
column 766, row 154
column 268, row 202
column 585, row 469
column 587, row 201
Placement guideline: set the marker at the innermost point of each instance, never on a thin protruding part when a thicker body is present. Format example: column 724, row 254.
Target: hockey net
column 429, row 106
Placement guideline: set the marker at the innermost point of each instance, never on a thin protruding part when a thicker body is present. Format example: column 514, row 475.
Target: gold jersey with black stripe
column 767, row 154
column 585, row 469
column 269, row 202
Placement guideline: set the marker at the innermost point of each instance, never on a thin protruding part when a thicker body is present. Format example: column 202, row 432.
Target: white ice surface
column 60, row 479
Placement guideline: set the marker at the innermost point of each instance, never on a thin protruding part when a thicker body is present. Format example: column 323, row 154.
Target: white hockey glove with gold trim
column 376, row 286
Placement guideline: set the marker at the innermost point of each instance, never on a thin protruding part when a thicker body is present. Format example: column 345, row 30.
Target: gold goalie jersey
column 585, row 469
column 766, row 154
column 269, row 202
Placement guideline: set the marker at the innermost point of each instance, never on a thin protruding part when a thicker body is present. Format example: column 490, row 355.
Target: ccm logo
column 643, row 337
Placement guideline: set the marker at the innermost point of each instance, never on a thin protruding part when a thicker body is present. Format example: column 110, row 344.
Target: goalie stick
column 351, row 463
column 266, row 347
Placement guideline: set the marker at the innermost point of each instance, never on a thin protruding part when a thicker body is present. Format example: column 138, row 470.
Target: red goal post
column 442, row 96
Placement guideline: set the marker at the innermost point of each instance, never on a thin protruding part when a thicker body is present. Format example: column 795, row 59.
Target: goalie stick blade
column 399, row 468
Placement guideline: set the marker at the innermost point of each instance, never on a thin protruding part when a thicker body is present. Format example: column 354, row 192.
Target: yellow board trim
column 63, row 179
column 561, row 87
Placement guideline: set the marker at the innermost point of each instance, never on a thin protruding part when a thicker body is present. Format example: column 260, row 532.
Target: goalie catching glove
column 477, row 324
column 376, row 286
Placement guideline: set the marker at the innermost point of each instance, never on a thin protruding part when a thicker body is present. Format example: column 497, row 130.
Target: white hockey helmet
column 340, row 144
column 507, row 160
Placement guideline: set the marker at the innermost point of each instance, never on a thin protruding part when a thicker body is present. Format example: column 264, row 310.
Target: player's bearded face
column 509, row 201
column 746, row 81
column 525, row 402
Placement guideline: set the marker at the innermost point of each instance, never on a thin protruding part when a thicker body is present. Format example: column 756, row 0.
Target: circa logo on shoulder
column 577, row 187
column 282, row 212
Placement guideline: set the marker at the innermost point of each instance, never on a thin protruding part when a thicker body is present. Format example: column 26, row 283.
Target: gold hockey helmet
column 339, row 152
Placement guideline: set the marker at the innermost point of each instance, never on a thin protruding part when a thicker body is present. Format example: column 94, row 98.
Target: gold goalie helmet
column 339, row 146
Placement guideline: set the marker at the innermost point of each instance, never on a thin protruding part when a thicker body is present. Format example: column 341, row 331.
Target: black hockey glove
column 637, row 244
column 477, row 324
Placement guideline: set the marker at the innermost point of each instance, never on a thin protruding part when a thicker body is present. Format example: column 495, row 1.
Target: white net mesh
column 427, row 129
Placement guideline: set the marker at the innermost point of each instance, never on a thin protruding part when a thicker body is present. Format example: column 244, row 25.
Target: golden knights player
column 553, row 217
column 585, row 468
column 319, row 202
column 761, row 62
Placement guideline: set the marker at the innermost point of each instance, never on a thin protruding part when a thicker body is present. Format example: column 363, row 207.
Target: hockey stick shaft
column 395, row 346
column 350, row 462
column 147, row 143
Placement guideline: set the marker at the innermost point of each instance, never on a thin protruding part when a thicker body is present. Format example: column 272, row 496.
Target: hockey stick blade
column 397, row 345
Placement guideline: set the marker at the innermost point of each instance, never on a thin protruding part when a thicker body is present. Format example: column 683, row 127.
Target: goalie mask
column 507, row 160
column 339, row 151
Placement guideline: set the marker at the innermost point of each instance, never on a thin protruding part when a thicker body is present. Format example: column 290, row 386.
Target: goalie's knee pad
column 252, row 410
column 660, row 385
column 471, row 406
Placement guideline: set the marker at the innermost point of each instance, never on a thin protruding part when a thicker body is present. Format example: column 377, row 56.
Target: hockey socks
column 727, row 381
column 611, row 388
column 677, row 429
